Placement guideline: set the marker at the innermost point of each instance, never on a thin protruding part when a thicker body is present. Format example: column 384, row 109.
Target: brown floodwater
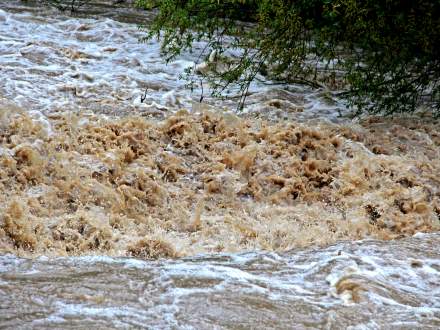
column 168, row 213
column 53, row 61
column 353, row 285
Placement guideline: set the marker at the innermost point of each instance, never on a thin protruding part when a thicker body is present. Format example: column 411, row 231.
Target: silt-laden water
column 359, row 285
column 51, row 63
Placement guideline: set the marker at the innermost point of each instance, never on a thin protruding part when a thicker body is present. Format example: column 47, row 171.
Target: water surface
column 53, row 63
column 359, row 285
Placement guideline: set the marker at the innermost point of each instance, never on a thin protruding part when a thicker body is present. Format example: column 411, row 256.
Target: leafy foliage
column 385, row 52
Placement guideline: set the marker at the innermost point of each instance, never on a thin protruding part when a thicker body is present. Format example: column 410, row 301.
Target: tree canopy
column 386, row 53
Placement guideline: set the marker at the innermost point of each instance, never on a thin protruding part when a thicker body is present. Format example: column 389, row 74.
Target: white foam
column 39, row 54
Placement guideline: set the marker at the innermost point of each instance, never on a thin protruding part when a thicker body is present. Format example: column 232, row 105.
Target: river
column 360, row 285
column 122, row 213
column 99, row 64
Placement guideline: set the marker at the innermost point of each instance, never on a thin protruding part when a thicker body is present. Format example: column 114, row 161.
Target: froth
column 204, row 182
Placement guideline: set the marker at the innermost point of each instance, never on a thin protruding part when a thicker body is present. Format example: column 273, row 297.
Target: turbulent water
column 361, row 285
column 52, row 62
column 79, row 191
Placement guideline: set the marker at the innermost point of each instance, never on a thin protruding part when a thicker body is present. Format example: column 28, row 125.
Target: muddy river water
column 361, row 285
column 59, row 62
column 113, row 215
